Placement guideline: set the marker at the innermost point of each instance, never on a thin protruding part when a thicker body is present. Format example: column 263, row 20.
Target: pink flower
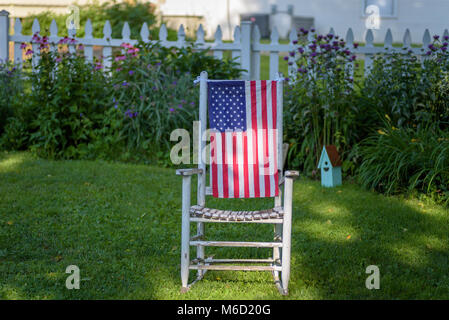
column 23, row 45
column 58, row 59
column 120, row 58
column 29, row 52
column 80, row 47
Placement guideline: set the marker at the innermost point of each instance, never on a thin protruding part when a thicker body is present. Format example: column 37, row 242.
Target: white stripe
column 249, row 139
column 219, row 165
column 240, row 158
column 230, row 154
column 260, row 148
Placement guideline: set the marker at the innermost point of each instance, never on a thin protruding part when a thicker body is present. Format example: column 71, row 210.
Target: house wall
column 417, row 15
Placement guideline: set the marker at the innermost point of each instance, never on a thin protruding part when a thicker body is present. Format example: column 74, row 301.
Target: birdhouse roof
column 331, row 152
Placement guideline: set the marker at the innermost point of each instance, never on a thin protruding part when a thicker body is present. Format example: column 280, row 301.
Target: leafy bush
column 321, row 102
column 410, row 92
column 401, row 160
column 65, row 106
column 11, row 85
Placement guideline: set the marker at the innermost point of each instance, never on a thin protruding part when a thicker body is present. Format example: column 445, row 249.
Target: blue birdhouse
column 330, row 165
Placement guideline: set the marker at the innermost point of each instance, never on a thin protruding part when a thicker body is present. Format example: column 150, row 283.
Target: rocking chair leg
column 200, row 249
column 286, row 233
column 185, row 233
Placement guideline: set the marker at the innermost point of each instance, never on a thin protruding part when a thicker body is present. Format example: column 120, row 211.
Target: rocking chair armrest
column 291, row 174
column 189, row 172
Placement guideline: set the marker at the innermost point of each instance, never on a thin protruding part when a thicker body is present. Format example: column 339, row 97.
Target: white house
column 379, row 15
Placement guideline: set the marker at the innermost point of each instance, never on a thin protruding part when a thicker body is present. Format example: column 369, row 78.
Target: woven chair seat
column 226, row 215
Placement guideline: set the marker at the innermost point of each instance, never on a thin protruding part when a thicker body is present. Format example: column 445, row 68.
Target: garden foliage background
column 391, row 126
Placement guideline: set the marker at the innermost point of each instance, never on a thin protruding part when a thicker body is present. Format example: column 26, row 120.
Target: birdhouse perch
column 330, row 165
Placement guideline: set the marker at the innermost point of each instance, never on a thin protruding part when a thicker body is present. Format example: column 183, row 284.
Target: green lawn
column 120, row 224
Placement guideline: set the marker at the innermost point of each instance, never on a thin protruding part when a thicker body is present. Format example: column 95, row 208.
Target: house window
column 382, row 8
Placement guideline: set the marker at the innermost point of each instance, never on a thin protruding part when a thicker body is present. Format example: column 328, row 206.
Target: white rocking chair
column 280, row 215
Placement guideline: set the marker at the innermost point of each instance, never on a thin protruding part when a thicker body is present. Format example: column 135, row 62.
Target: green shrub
column 68, row 99
column 410, row 92
column 405, row 159
column 321, row 101
column 11, row 85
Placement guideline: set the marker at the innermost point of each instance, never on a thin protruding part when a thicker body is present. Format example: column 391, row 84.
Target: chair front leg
column 185, row 232
column 287, row 229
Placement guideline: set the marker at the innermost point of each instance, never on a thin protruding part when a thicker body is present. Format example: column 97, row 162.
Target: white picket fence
column 246, row 46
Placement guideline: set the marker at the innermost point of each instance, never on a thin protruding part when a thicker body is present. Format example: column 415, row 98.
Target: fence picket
column 18, row 53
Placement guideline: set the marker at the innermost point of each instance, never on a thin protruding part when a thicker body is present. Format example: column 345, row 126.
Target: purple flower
column 125, row 84
column 180, row 106
column 192, row 103
column 436, row 37
column 285, row 58
column 172, row 110
column 141, row 98
column 291, row 53
column 446, row 38
column 81, row 114
column 295, row 41
column 131, row 72
column 301, row 50
column 23, row 45
column 355, row 45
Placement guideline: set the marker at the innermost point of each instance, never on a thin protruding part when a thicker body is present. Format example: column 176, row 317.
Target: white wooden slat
column 181, row 36
column 255, row 56
column 388, row 42
column 35, row 29
column 349, row 38
column 369, row 39
column 407, row 40
column 107, row 50
column 237, row 40
column 163, row 34
column 200, row 35
column 18, row 52
column 53, row 39
column 218, row 40
column 126, row 32
column 88, row 49
column 274, row 55
column 145, row 33
column 426, row 39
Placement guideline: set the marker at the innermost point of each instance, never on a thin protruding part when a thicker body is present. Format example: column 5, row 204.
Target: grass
column 120, row 224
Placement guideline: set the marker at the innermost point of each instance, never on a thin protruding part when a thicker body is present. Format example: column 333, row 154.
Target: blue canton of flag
column 227, row 105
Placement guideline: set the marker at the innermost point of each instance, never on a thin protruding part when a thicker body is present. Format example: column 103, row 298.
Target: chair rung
column 235, row 268
column 210, row 260
column 236, row 244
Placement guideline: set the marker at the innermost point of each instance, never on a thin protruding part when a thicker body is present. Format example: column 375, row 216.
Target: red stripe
column 214, row 156
column 254, row 131
column 235, row 165
column 265, row 137
column 274, row 107
column 224, row 166
column 245, row 164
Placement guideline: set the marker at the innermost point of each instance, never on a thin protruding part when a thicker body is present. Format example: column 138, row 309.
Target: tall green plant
column 321, row 100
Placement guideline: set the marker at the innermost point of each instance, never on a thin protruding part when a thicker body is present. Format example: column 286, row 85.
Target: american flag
column 243, row 118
